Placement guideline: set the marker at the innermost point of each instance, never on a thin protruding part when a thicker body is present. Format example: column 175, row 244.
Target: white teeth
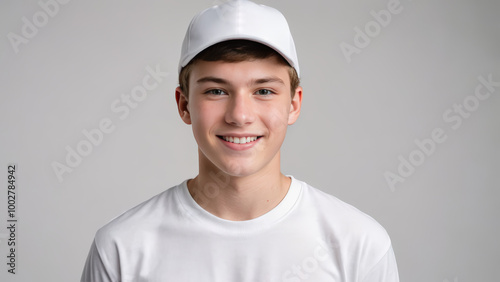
column 239, row 140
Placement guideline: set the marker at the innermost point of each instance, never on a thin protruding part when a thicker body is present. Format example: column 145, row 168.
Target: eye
column 217, row 92
column 264, row 92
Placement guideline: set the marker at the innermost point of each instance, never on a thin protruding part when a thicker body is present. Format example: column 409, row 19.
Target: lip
column 240, row 135
column 239, row 147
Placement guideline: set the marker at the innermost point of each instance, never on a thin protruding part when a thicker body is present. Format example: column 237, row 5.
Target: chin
column 239, row 167
column 238, row 170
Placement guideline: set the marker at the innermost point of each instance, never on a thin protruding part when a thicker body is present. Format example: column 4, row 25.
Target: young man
column 240, row 218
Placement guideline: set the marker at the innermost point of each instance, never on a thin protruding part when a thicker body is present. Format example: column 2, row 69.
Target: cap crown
column 239, row 19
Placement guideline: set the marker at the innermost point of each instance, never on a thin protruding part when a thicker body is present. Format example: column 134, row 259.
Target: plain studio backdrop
column 401, row 118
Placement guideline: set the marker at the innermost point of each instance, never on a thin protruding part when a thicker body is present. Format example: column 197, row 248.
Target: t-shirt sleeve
column 386, row 269
column 95, row 270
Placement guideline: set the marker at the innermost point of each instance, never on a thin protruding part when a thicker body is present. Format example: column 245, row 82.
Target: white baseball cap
column 239, row 19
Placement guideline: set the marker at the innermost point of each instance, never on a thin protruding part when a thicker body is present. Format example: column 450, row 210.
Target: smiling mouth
column 239, row 140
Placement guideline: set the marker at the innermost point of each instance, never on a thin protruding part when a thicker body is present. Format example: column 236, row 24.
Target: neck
column 241, row 197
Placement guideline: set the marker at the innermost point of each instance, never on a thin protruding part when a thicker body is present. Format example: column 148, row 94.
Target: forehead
column 242, row 72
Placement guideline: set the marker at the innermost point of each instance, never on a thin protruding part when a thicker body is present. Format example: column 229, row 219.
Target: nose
column 240, row 110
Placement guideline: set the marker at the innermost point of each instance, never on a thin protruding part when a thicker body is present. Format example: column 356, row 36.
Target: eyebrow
column 212, row 79
column 267, row 80
column 219, row 80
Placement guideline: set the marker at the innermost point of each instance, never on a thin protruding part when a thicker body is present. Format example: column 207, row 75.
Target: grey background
column 357, row 118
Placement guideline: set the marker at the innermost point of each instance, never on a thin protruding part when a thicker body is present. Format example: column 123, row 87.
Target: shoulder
column 349, row 233
column 344, row 224
column 140, row 218
column 125, row 234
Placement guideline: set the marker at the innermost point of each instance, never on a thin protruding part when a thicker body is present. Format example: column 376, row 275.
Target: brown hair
column 235, row 51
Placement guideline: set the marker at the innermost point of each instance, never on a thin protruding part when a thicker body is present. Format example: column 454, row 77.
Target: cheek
column 204, row 116
column 277, row 119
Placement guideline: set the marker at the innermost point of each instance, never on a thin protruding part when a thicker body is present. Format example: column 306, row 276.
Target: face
column 239, row 113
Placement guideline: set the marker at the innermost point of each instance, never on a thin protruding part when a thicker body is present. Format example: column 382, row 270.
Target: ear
column 182, row 105
column 295, row 107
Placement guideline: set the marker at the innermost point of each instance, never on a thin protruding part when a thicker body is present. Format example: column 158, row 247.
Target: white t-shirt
column 308, row 236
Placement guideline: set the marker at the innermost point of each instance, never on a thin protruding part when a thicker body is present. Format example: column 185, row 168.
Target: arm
column 386, row 269
column 95, row 270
